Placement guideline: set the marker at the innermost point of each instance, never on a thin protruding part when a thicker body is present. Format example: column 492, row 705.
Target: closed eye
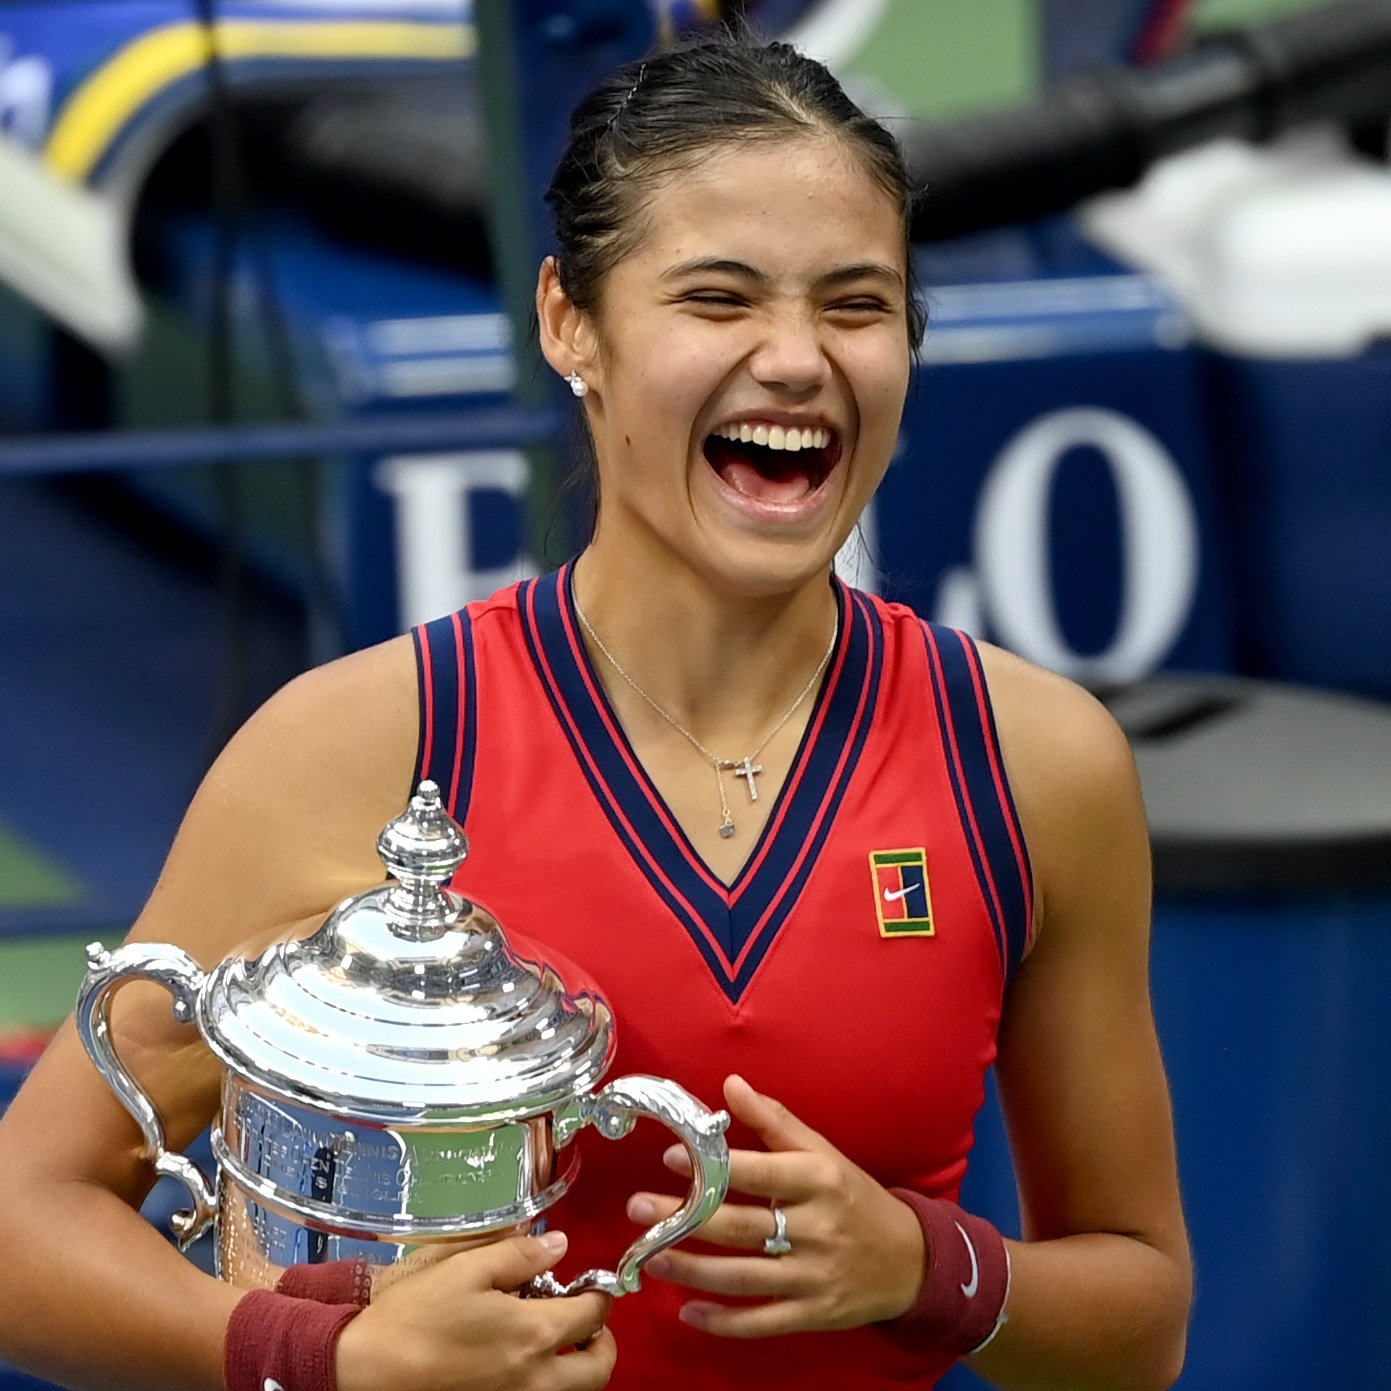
column 861, row 306
column 724, row 301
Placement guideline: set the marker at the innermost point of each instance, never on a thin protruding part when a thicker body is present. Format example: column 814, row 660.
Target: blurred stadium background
column 261, row 402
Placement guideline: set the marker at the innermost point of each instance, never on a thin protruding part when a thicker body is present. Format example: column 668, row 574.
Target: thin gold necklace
column 744, row 767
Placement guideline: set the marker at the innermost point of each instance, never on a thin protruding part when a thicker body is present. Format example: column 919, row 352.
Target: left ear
column 567, row 336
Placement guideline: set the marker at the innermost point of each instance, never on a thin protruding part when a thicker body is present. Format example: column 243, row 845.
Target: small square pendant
column 727, row 829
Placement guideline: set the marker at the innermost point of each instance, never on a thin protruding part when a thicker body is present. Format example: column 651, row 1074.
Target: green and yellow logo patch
column 902, row 895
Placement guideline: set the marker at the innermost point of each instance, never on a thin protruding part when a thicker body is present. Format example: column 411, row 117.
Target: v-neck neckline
column 603, row 707
column 727, row 920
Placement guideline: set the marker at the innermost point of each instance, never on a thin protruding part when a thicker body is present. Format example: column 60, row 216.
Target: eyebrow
column 867, row 270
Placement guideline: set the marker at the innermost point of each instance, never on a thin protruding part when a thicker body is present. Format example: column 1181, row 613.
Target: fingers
column 788, row 1178
column 574, row 1319
column 587, row 1368
column 751, row 1277
column 738, row 1225
column 458, row 1325
column 509, row 1264
column 746, row 1321
column 775, row 1125
column 780, row 1171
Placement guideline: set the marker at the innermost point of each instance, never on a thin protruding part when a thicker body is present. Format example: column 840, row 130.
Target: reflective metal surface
column 400, row 1081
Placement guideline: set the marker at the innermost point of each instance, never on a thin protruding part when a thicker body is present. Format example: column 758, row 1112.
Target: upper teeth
column 788, row 437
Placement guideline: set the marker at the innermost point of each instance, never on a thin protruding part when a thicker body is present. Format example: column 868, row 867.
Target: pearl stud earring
column 578, row 384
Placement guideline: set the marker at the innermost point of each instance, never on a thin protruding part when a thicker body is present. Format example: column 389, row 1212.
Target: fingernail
column 642, row 1209
column 554, row 1243
column 677, row 1158
column 658, row 1266
column 694, row 1314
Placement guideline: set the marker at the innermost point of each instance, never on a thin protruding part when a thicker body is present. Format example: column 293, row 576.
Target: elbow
column 1169, row 1366
column 1168, row 1340
column 1152, row 1353
column 1151, row 1363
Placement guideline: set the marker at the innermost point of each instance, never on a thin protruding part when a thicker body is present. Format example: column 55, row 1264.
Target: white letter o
column 1159, row 544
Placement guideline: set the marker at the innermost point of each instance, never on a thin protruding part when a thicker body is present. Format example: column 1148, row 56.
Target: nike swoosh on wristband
column 969, row 1289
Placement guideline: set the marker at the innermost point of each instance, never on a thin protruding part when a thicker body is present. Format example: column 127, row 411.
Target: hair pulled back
column 657, row 116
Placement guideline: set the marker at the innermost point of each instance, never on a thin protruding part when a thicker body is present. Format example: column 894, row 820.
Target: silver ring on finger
column 777, row 1244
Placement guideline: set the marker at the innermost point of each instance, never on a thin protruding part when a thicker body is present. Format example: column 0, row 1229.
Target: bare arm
column 1102, row 1283
column 282, row 829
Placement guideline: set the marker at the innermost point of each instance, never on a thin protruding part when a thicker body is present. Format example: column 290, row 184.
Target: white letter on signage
column 1159, row 544
column 435, row 549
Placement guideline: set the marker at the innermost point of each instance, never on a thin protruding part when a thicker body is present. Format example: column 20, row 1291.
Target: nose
column 790, row 357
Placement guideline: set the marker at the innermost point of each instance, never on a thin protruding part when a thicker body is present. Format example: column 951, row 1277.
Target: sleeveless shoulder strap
column 981, row 789
column 447, row 686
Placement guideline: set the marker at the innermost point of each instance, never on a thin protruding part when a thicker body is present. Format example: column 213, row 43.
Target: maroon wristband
column 276, row 1342
column 331, row 1282
column 961, row 1305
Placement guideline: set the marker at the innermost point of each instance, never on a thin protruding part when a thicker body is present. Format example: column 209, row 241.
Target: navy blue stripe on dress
column 948, row 703
column 1020, row 871
column 424, row 741
column 448, row 689
column 986, row 822
column 468, row 751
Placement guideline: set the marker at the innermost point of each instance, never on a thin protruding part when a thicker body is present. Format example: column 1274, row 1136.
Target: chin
column 761, row 568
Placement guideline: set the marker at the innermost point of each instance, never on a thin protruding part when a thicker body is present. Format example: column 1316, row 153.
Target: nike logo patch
column 902, row 896
column 969, row 1289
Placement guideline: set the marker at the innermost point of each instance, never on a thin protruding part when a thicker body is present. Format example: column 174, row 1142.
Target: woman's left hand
column 857, row 1251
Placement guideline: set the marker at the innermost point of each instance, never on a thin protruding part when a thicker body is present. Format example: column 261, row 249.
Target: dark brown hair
column 657, row 116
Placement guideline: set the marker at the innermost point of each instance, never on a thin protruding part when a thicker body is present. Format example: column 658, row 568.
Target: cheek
column 664, row 377
column 882, row 384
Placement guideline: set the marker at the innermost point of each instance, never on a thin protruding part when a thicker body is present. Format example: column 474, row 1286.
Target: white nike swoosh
column 969, row 1289
column 893, row 895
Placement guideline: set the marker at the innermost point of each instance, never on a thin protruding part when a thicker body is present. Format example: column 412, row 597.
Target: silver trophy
column 400, row 1083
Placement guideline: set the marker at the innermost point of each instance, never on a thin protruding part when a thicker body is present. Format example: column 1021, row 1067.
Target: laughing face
column 747, row 366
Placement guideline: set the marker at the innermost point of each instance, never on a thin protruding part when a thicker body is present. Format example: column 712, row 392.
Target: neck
column 723, row 667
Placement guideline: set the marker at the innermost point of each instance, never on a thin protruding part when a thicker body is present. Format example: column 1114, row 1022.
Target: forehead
column 795, row 204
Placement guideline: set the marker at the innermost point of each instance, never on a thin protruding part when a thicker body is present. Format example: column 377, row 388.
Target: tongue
column 787, row 485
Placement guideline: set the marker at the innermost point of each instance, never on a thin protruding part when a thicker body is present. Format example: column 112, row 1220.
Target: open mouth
column 773, row 463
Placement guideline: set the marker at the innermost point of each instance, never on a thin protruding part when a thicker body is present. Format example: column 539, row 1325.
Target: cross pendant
column 749, row 771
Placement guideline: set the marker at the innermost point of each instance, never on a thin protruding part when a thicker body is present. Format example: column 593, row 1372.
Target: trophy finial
column 422, row 849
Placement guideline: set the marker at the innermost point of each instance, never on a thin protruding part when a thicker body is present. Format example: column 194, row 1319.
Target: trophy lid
column 409, row 1006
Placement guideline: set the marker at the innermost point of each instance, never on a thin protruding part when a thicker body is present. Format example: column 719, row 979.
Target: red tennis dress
column 855, row 968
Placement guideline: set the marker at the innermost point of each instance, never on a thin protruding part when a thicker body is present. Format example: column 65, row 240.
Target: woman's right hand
column 460, row 1326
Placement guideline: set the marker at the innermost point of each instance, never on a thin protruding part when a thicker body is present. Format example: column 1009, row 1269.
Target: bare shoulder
column 351, row 716
column 285, row 823
column 1059, row 742
column 1074, row 782
column 1050, row 726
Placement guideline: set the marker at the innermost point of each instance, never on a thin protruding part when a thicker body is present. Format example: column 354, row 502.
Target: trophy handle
column 178, row 973
column 614, row 1111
